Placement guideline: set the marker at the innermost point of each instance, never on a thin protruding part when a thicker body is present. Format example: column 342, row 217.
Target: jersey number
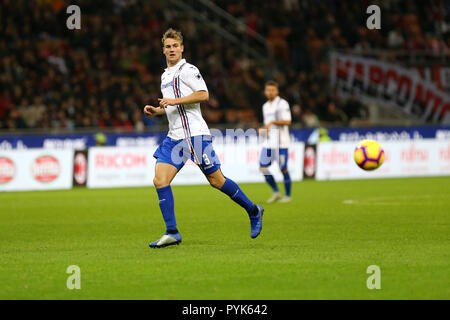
column 205, row 159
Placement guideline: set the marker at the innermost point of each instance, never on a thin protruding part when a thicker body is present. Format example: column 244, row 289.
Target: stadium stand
column 103, row 74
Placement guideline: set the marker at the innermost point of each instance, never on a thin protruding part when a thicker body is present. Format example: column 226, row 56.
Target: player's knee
column 159, row 182
column 264, row 170
column 284, row 170
column 216, row 182
column 156, row 182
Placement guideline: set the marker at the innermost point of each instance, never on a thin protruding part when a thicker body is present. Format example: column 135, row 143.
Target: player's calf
column 269, row 179
column 216, row 179
column 287, row 184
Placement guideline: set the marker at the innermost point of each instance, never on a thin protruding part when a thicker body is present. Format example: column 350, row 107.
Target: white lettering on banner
column 379, row 136
column 389, row 84
column 5, row 145
column 139, row 141
column 443, row 134
column 77, row 144
column 120, row 160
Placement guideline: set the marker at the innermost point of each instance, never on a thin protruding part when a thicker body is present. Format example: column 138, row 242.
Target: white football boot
column 166, row 240
column 275, row 196
column 285, row 199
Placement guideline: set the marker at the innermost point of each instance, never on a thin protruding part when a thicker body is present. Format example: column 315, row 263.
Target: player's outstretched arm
column 152, row 111
column 195, row 97
column 282, row 122
column 277, row 122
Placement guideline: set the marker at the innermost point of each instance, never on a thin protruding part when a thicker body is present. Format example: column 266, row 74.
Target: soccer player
column 183, row 89
column 277, row 119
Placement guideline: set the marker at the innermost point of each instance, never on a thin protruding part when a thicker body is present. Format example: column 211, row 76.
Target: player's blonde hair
column 272, row 83
column 172, row 34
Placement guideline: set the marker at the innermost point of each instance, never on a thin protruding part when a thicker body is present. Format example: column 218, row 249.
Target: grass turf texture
column 316, row 247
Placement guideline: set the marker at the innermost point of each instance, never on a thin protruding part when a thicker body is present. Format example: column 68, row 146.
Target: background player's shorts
column 267, row 155
column 177, row 152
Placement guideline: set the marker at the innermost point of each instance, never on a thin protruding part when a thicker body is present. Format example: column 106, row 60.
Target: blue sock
column 231, row 189
column 167, row 205
column 287, row 183
column 271, row 181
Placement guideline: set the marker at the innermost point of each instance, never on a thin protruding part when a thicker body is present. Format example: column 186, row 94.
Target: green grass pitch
column 317, row 247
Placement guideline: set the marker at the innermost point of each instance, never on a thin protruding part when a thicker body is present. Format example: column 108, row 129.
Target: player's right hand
column 150, row 110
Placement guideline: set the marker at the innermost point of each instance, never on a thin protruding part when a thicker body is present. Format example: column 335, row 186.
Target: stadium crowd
column 103, row 74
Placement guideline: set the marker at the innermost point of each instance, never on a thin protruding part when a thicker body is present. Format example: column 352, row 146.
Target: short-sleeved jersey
column 186, row 120
column 276, row 110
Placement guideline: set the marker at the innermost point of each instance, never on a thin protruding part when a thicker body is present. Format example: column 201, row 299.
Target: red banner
column 391, row 85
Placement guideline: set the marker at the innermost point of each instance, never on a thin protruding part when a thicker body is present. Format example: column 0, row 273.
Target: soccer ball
column 369, row 155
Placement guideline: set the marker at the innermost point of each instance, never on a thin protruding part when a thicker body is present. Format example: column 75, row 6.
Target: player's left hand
column 267, row 126
column 164, row 102
column 265, row 129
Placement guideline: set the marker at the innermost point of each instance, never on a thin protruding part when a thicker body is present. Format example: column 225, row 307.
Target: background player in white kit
column 277, row 119
column 183, row 88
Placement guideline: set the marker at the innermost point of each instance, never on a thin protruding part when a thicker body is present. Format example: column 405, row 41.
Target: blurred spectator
column 395, row 38
column 5, row 104
column 15, row 121
column 334, row 115
column 309, row 119
column 100, row 139
column 323, row 135
column 137, row 119
column 33, row 113
column 355, row 109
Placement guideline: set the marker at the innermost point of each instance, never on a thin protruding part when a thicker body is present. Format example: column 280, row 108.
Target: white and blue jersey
column 278, row 136
column 276, row 143
column 189, row 136
column 186, row 120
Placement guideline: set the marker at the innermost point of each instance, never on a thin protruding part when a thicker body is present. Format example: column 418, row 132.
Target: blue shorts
column 199, row 150
column 267, row 155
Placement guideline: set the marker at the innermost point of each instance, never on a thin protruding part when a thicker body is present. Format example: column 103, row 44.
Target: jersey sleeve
column 285, row 112
column 264, row 112
column 193, row 79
